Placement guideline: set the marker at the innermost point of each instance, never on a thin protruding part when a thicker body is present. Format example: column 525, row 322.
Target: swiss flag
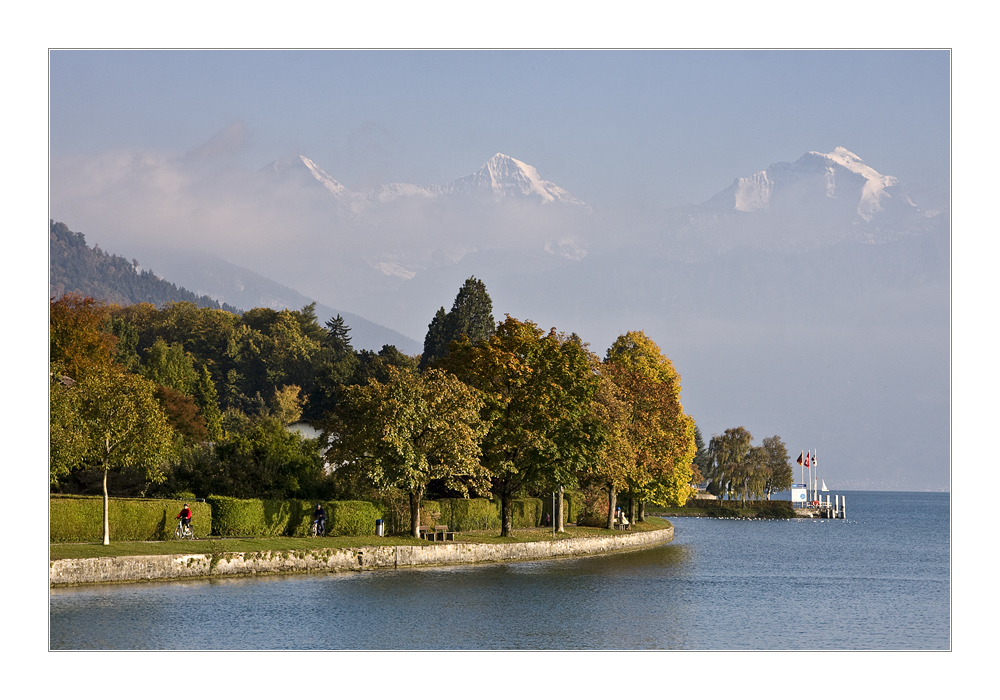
column 807, row 460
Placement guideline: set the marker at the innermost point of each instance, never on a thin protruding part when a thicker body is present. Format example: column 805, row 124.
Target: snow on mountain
column 295, row 166
column 836, row 175
column 753, row 193
column 500, row 178
column 874, row 189
column 503, row 176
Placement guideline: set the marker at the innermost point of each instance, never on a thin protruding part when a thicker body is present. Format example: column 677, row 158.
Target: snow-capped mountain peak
column 503, row 176
column 300, row 167
column 322, row 177
column 873, row 191
column 838, row 175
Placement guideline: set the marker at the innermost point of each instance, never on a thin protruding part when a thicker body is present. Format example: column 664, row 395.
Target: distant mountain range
column 76, row 267
column 500, row 178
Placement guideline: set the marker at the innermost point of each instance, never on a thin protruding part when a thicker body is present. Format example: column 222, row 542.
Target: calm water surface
column 880, row 580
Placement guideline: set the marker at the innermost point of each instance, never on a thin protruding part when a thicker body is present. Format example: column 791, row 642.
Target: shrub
column 352, row 518
column 81, row 518
column 464, row 514
column 527, row 512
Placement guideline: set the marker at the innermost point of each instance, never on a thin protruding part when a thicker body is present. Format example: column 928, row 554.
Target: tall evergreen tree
column 338, row 336
column 471, row 315
column 436, row 340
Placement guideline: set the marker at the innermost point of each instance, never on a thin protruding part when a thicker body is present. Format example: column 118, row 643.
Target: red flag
column 799, row 460
column 807, row 460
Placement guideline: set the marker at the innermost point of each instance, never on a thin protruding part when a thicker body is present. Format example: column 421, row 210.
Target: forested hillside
column 75, row 267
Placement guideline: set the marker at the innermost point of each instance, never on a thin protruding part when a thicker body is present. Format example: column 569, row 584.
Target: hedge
column 81, row 518
column 464, row 514
column 237, row 517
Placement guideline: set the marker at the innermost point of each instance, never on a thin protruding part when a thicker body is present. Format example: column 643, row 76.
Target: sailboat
column 824, row 488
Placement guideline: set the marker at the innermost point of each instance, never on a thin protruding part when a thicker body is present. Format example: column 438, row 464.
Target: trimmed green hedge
column 527, row 512
column 464, row 514
column 352, row 517
column 237, row 517
column 81, row 518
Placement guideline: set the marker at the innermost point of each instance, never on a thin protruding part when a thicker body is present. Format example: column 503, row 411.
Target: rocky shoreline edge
column 168, row 567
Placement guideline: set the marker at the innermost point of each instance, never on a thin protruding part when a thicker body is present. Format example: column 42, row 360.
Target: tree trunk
column 631, row 509
column 559, row 511
column 642, row 512
column 107, row 538
column 506, row 514
column 415, row 512
column 612, row 502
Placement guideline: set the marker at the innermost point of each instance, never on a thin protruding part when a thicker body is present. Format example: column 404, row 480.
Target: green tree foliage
column 68, row 438
column 471, row 316
column 742, row 471
column 410, row 430
column 537, row 389
column 436, row 341
column 168, row 365
column 208, row 404
column 376, row 365
column 780, row 475
column 335, row 366
column 123, row 426
column 266, row 461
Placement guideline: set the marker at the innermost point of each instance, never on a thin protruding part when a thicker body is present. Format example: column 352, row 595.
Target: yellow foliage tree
column 661, row 433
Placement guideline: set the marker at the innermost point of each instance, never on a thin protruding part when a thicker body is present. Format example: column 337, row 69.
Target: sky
column 635, row 128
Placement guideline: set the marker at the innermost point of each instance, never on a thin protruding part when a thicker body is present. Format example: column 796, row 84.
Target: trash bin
column 380, row 528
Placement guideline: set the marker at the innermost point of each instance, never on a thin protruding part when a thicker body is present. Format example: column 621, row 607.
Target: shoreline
column 175, row 567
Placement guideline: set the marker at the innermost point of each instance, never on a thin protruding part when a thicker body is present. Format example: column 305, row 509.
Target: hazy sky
column 632, row 128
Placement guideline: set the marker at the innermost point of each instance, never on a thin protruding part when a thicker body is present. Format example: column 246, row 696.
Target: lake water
column 879, row 580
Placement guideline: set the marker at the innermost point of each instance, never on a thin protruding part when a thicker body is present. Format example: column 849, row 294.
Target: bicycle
column 184, row 532
column 318, row 529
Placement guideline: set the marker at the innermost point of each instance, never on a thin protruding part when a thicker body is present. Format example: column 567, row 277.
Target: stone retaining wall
column 68, row 572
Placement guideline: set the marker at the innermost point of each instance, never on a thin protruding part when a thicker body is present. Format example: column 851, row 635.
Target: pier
column 821, row 508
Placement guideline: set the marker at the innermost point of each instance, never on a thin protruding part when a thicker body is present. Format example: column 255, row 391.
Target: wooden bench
column 438, row 534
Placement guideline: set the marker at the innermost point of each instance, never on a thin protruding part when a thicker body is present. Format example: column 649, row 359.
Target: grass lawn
column 85, row 550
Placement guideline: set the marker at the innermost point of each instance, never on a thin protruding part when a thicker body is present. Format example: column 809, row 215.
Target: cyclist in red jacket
column 185, row 515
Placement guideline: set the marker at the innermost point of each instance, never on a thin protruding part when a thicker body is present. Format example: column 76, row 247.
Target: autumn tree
column 615, row 464
column 537, row 388
column 662, row 435
column 409, row 430
column 78, row 335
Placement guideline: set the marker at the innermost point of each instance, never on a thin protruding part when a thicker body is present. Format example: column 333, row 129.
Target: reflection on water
column 880, row 582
